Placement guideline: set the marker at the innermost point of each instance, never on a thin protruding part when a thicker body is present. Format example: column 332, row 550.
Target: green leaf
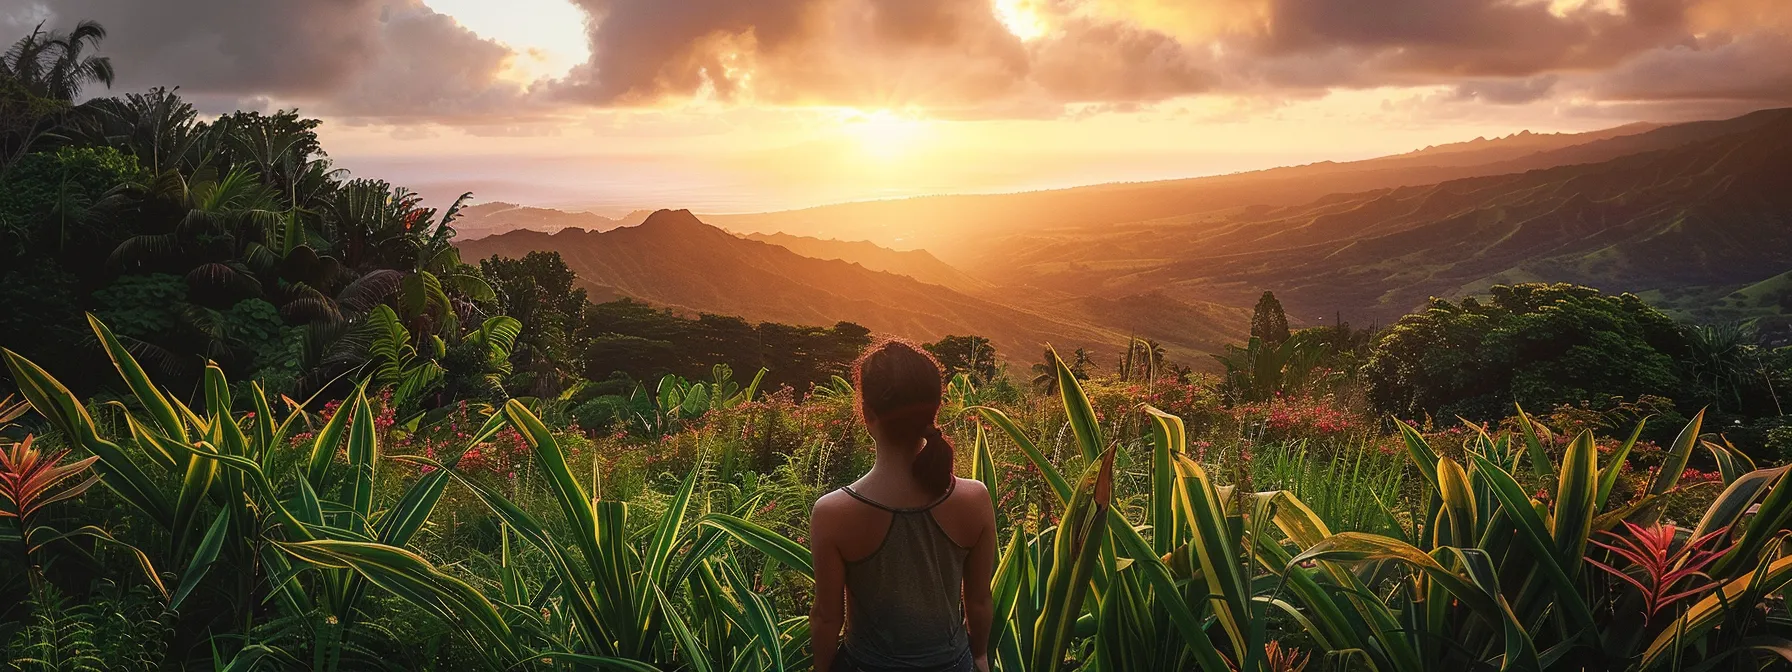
column 1059, row 486
column 773, row 545
column 147, row 395
column 116, row 468
column 409, row 576
column 1078, row 410
column 202, row 559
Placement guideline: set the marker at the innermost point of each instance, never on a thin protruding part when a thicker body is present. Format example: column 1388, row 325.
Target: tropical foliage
column 267, row 418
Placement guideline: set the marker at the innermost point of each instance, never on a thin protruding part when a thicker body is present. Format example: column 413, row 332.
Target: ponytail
column 933, row 465
column 901, row 384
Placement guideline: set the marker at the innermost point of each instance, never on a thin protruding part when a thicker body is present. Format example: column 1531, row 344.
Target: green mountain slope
column 918, row 264
column 672, row 259
column 1711, row 213
column 958, row 229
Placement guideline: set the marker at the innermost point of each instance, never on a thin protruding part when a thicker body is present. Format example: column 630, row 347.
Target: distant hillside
column 672, row 259
column 918, row 264
column 1714, row 212
column 487, row 219
column 957, row 228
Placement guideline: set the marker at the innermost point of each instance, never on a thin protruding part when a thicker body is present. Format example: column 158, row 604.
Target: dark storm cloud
column 385, row 59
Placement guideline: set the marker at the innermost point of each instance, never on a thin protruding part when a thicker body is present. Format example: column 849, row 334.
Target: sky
column 756, row 105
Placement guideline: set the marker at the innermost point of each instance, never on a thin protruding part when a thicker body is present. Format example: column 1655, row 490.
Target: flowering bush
column 1285, row 418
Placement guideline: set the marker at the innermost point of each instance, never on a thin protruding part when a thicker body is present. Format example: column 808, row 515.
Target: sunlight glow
column 884, row 134
column 548, row 35
column 1021, row 18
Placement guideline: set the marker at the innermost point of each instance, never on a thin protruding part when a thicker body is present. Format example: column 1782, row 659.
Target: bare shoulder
column 972, row 490
column 831, row 506
column 972, row 499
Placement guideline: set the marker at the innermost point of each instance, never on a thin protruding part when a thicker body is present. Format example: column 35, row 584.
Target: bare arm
column 828, row 615
column 979, row 569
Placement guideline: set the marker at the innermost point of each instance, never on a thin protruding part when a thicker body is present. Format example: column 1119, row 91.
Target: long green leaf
column 147, row 395
column 1078, row 410
column 773, row 545
column 117, row 470
column 409, row 576
column 1074, row 558
column 1053, row 477
column 1168, row 437
column 209, row 546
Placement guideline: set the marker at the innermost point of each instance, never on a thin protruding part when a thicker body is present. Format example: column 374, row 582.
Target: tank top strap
column 855, row 495
column 950, row 486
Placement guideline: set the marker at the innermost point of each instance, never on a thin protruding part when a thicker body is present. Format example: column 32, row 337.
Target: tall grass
column 1351, row 489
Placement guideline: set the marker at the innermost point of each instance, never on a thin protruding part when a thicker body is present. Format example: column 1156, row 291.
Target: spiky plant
column 1660, row 562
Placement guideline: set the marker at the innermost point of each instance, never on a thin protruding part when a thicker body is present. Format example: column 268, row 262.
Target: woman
column 908, row 549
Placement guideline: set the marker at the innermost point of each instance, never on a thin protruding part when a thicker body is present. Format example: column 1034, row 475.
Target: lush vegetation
column 266, row 418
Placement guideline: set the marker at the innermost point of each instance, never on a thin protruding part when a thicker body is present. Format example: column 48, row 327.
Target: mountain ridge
column 956, row 223
column 674, row 260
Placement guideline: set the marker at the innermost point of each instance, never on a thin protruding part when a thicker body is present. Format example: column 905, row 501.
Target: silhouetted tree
column 965, row 354
column 1268, row 322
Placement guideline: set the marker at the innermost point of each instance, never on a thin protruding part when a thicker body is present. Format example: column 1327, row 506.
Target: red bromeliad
column 29, row 480
column 1279, row 658
column 1661, row 562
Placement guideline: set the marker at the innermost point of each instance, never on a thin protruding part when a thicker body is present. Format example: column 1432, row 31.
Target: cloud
column 1755, row 69
column 392, row 62
column 1512, row 91
column 373, row 59
column 948, row 54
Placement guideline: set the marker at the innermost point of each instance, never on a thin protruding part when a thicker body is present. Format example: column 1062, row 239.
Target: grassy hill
column 1709, row 213
column 672, row 259
column 487, row 219
column 918, row 264
column 958, row 229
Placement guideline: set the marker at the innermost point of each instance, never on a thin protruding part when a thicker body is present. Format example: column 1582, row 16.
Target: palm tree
column 1080, row 363
column 159, row 127
column 1045, row 374
column 55, row 65
column 40, row 77
column 1725, row 361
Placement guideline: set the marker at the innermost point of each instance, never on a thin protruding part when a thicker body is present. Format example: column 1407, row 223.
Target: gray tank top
column 906, row 599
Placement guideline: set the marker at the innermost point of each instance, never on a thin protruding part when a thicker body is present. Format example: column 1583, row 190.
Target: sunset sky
column 751, row 105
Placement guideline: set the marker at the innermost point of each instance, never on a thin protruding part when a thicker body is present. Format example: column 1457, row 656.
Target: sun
column 1021, row 18
column 884, row 134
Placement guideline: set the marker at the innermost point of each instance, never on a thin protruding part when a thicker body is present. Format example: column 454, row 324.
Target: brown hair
column 901, row 385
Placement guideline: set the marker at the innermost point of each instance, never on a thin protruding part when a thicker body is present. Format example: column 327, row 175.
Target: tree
column 1259, row 371
column 40, row 77
column 56, row 65
column 1535, row 344
column 538, row 291
column 1268, row 322
column 1080, row 363
column 1727, row 368
column 965, row 354
column 1045, row 374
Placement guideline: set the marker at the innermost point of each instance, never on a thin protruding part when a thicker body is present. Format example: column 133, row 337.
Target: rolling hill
column 1712, row 212
column 958, row 229
column 674, row 260
column 487, row 219
column 918, row 264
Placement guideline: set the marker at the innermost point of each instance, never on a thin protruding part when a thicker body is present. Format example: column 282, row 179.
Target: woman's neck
column 895, row 460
